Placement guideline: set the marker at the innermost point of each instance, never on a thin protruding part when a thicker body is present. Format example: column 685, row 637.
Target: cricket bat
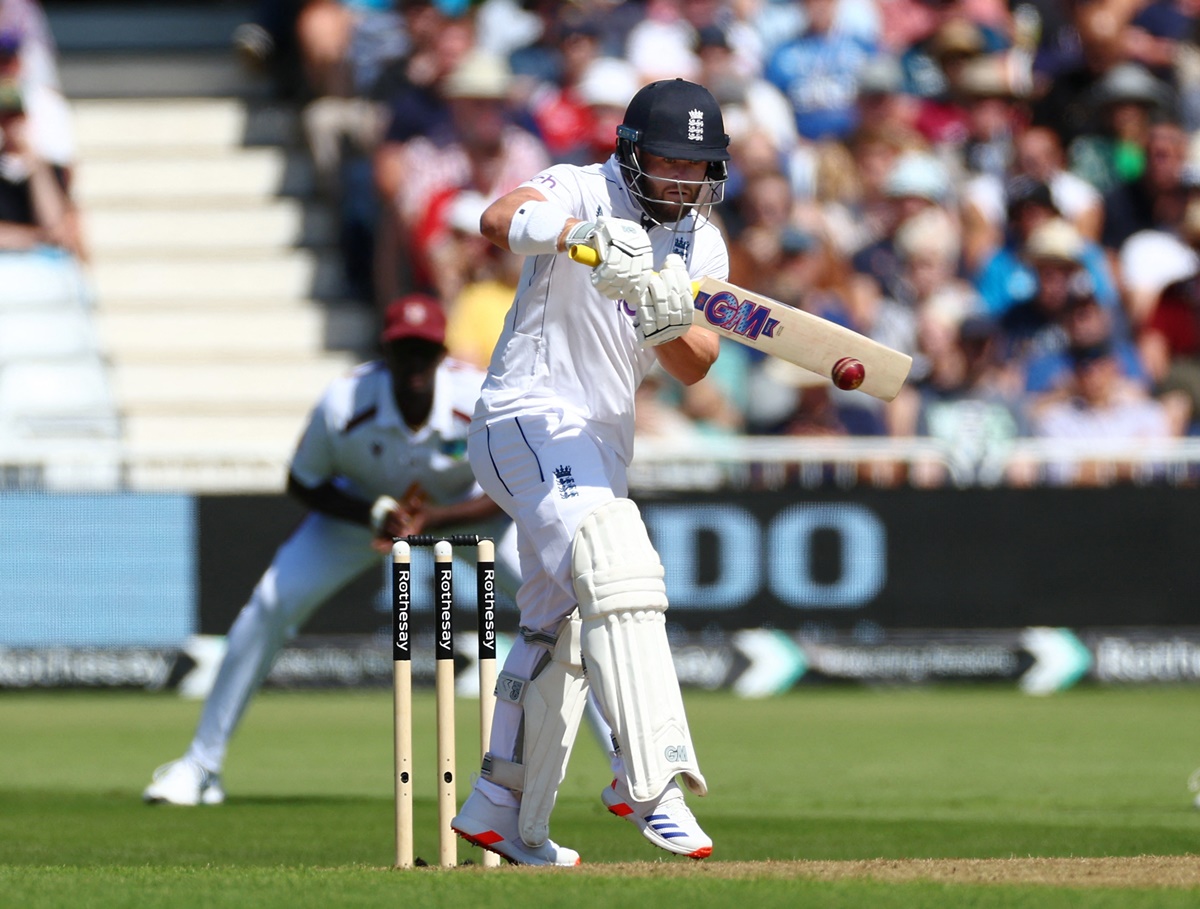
column 788, row 333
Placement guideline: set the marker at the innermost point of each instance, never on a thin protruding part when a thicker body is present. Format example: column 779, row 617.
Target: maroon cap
column 415, row 316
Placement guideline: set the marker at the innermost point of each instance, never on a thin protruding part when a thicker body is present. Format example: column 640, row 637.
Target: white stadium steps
column 295, row 274
column 221, row 305
column 114, row 231
column 172, row 388
column 239, row 331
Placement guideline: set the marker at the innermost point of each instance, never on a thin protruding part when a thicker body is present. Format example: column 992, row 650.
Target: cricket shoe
column 1194, row 786
column 494, row 827
column 184, row 782
column 667, row 821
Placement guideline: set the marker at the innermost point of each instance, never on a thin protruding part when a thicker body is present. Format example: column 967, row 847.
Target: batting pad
column 552, row 703
column 622, row 602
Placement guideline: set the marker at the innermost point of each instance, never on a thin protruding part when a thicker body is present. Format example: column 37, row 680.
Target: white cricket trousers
column 321, row 557
column 548, row 471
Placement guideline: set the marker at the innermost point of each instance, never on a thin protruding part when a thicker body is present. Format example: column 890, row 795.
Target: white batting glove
column 665, row 310
column 626, row 259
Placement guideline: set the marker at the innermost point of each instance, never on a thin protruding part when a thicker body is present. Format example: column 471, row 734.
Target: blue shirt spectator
column 818, row 72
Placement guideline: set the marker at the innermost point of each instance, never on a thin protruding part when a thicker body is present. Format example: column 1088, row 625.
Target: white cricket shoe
column 667, row 821
column 493, row 827
column 184, row 782
column 1194, row 786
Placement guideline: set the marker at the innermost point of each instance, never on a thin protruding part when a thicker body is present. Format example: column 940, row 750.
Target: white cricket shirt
column 357, row 437
column 564, row 344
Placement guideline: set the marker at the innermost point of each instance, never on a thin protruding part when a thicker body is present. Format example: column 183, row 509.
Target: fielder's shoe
column 667, row 821
column 184, row 782
column 492, row 827
column 1194, row 786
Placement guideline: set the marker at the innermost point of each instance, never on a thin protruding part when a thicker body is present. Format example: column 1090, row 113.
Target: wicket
column 443, row 551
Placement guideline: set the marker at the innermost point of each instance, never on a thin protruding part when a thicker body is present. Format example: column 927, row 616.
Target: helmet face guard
column 670, row 215
column 681, row 121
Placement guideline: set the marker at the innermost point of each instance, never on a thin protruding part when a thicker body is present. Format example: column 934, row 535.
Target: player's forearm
column 329, row 500
column 689, row 358
column 507, row 222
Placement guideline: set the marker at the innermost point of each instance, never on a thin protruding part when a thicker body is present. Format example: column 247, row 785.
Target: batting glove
column 666, row 309
column 626, row 259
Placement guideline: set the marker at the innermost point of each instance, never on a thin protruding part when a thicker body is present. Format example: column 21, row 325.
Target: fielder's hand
column 666, row 309
column 626, row 259
column 391, row 519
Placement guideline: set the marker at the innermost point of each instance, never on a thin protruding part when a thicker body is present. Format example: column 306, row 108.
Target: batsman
column 551, row 440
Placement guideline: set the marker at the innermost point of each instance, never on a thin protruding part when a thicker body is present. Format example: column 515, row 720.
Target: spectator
column 1169, row 339
column 38, row 230
column 857, row 223
column 1085, row 323
column 1111, row 151
column 1055, row 254
column 748, row 102
column 486, row 153
column 47, row 113
column 1099, row 407
column 606, row 88
column 345, row 45
column 970, row 403
column 1007, row 278
column 763, row 210
column 917, row 181
column 818, row 71
column 929, row 249
column 660, row 46
column 1039, row 157
column 883, row 104
column 484, row 282
column 563, row 119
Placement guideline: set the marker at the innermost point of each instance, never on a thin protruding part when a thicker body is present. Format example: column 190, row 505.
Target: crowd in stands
column 53, row 381
column 1009, row 190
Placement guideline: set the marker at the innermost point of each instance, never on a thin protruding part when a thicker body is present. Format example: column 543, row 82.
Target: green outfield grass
column 820, row 775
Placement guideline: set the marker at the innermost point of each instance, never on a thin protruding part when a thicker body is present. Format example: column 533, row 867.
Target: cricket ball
column 848, row 373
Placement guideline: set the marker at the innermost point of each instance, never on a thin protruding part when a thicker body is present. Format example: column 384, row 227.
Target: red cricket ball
column 848, row 373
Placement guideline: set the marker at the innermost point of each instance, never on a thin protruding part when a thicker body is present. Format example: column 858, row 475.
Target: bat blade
column 798, row 337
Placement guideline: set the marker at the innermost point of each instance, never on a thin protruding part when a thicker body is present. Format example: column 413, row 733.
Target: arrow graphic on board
column 776, row 662
column 1059, row 660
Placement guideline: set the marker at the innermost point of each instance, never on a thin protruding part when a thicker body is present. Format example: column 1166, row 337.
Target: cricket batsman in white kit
column 383, row 455
column 551, row 441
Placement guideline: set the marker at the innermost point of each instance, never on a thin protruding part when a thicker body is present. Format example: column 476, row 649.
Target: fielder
column 550, row 442
column 397, row 425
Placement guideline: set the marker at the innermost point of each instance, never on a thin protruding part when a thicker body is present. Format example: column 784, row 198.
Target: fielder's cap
column 608, row 82
column 1055, row 241
column 10, row 42
column 479, row 75
column 673, row 118
column 415, row 316
column 918, row 174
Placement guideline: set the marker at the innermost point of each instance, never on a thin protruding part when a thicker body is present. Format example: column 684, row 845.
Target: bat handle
column 585, row 255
